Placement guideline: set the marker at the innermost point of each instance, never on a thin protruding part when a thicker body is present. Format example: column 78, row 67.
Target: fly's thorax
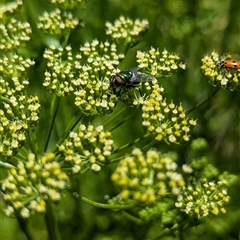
column 125, row 75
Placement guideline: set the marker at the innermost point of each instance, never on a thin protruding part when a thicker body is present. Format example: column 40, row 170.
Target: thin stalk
column 132, row 218
column 64, row 40
column 148, row 145
column 122, row 122
column 115, row 160
column 125, row 53
column 127, row 145
column 75, row 120
column 203, row 102
column 127, row 48
column 23, row 151
column 51, row 222
column 5, row 99
column 6, row 165
column 130, row 144
column 177, row 228
column 33, row 141
column 106, row 206
column 23, row 223
column 53, row 114
column 114, row 116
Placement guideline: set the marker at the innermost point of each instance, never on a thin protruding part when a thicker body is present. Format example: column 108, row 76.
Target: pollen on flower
column 167, row 121
column 88, row 147
column 134, row 174
column 60, row 70
column 90, row 83
column 159, row 64
column 33, row 184
column 14, row 33
column 126, row 31
column 15, row 130
column 202, row 199
column 58, row 22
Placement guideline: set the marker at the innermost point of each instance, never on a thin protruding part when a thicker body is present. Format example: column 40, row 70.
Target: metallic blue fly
column 124, row 80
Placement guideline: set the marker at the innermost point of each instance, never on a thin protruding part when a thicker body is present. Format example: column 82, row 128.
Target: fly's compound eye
column 116, row 81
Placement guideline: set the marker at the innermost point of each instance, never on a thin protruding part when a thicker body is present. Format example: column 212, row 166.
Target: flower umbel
column 14, row 32
column 58, row 22
column 158, row 64
column 147, row 178
column 166, row 121
column 95, row 64
column 217, row 75
column 67, row 4
column 88, row 148
column 60, row 70
column 86, row 75
column 127, row 31
column 13, row 70
column 204, row 199
column 9, row 8
column 18, row 115
column 31, row 182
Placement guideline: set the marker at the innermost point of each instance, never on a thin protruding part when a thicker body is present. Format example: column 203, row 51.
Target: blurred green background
column 192, row 29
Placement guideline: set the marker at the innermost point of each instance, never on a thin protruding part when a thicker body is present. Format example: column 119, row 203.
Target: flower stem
column 102, row 205
column 203, row 102
column 54, row 110
column 6, row 165
column 132, row 218
column 119, row 113
column 130, row 144
column 122, row 122
column 76, row 119
column 32, row 139
column 148, row 145
column 51, row 222
column 23, row 223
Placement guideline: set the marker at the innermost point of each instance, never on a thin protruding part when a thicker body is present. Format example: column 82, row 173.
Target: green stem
column 176, row 228
column 22, row 153
column 106, row 206
column 23, row 223
column 5, row 99
column 64, row 40
column 53, row 114
column 127, row 48
column 203, row 102
column 75, row 120
column 122, row 122
column 6, row 165
column 32, row 139
column 132, row 218
column 130, row 144
column 115, row 116
column 125, row 53
column 51, row 222
column 148, row 145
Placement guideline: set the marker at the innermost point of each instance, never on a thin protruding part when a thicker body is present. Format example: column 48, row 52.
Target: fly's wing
column 145, row 77
column 138, row 76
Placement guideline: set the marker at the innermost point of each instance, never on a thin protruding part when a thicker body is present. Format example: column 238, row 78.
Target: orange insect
column 230, row 64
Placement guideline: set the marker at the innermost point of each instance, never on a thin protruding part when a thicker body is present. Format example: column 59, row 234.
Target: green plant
column 70, row 124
